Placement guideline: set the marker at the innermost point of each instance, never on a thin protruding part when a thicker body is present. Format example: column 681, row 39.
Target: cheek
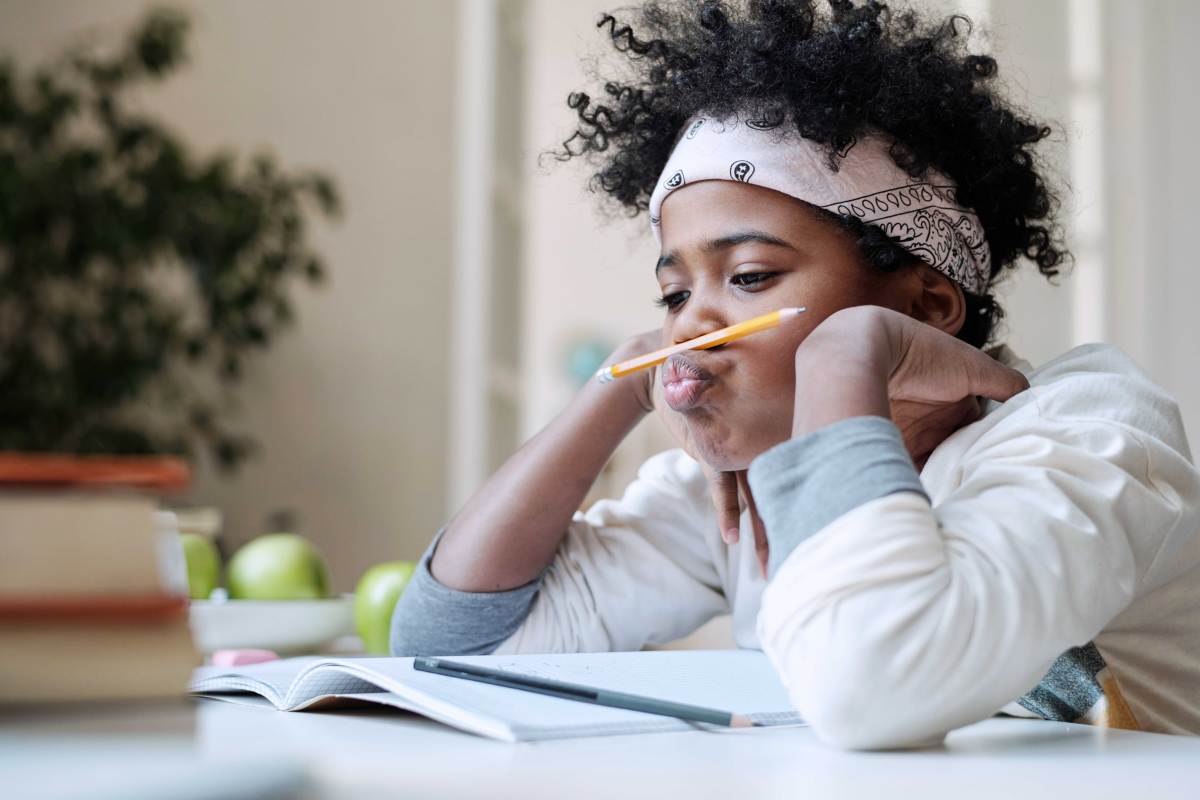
column 840, row 285
column 756, row 414
column 762, row 410
column 766, row 381
column 769, row 378
column 770, row 368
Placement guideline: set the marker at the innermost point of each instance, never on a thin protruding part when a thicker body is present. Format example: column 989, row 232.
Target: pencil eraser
column 240, row 658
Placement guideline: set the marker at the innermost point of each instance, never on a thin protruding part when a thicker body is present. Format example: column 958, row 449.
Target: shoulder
column 1100, row 385
column 1087, row 413
column 1095, row 443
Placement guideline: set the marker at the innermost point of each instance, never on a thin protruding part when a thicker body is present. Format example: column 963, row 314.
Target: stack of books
column 93, row 591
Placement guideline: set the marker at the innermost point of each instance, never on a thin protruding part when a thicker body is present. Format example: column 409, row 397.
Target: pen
column 582, row 694
column 726, row 334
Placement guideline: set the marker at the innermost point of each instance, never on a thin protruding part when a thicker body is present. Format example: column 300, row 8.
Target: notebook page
column 741, row 681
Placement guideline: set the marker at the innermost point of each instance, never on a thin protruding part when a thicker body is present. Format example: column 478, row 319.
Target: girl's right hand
column 640, row 383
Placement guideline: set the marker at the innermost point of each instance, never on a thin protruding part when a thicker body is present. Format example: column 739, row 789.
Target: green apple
column 203, row 564
column 375, row 598
column 277, row 566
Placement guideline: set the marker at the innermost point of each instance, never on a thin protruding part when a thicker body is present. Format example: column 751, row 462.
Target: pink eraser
column 240, row 658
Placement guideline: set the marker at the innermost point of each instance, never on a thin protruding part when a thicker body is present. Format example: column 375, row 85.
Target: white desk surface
column 210, row 749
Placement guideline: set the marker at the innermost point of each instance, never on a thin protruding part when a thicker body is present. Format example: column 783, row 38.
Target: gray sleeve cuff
column 804, row 484
column 432, row 619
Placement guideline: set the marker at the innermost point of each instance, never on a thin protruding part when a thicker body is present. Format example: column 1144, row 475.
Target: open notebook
column 741, row 681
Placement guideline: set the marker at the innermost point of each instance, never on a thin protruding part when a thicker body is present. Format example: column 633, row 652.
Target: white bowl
column 285, row 626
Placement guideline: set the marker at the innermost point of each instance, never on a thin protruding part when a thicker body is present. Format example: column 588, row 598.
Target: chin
column 732, row 465
column 720, row 458
column 714, row 446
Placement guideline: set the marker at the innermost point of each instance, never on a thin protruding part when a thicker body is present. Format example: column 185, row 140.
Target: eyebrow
column 713, row 246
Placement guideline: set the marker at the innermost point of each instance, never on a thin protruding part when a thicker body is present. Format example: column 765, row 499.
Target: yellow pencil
column 738, row 331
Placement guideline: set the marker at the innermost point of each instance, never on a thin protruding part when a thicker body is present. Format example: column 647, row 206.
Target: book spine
column 116, row 609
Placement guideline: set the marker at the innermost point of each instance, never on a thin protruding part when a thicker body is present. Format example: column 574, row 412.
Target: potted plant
column 136, row 277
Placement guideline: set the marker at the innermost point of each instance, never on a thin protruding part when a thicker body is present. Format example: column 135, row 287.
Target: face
column 732, row 251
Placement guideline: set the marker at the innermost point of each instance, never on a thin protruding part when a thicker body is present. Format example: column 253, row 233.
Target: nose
column 697, row 318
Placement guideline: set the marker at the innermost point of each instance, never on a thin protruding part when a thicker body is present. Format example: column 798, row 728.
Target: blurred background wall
column 471, row 273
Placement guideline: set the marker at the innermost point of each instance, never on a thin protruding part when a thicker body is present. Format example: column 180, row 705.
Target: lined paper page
column 741, row 681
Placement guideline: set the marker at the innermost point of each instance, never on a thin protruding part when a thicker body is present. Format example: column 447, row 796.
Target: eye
column 746, row 279
column 671, row 301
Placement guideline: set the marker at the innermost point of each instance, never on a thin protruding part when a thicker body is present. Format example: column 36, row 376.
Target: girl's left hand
column 872, row 361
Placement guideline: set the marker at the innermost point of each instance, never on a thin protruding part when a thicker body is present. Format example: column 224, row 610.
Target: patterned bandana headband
column 922, row 216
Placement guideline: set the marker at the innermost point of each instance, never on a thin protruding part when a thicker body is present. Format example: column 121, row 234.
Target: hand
column 872, row 361
column 641, row 384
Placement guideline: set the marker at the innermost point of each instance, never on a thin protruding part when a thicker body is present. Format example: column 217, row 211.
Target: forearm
column 928, row 620
column 508, row 532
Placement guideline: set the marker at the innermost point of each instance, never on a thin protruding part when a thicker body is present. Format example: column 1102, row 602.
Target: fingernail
column 731, row 535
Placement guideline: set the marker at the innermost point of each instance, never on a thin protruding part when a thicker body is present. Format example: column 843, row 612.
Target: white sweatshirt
column 1069, row 515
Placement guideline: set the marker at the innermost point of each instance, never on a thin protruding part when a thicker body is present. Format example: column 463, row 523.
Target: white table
column 214, row 749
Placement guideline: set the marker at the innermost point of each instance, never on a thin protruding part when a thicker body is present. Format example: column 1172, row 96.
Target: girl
column 931, row 532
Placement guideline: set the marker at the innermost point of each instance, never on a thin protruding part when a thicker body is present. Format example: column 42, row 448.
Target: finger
column 761, row 547
column 993, row 380
column 649, row 397
column 724, row 489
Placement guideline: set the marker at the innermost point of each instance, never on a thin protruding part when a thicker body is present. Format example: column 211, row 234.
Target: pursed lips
column 683, row 382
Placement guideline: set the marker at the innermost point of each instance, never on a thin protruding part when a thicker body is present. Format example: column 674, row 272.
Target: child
column 945, row 532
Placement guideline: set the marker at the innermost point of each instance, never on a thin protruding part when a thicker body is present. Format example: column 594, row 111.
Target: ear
column 937, row 300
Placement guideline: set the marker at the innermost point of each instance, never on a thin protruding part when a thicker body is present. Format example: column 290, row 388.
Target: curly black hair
column 833, row 74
